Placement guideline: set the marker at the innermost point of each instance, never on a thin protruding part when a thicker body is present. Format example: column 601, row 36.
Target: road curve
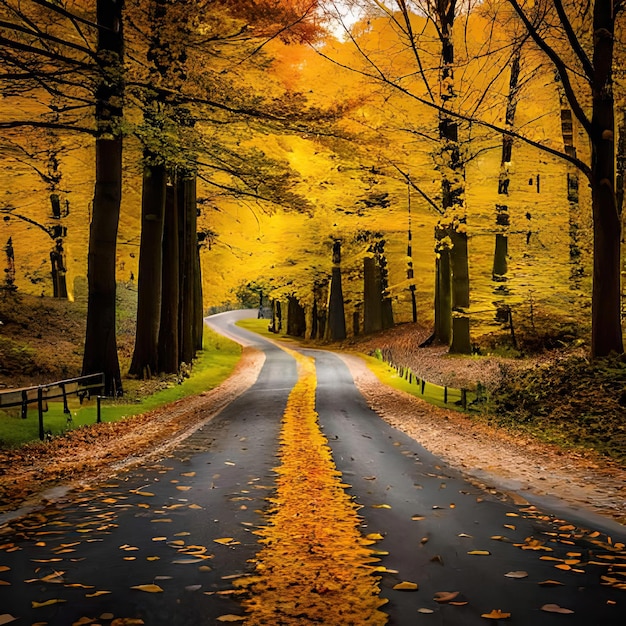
column 163, row 543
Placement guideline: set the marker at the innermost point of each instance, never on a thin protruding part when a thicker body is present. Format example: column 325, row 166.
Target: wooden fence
column 82, row 386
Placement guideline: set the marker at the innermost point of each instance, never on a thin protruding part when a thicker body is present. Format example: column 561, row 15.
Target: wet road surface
column 161, row 544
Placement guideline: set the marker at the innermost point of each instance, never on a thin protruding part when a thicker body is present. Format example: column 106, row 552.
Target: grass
column 213, row 365
column 433, row 394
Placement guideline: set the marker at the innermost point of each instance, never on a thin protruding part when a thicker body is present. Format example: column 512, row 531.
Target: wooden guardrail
column 82, row 386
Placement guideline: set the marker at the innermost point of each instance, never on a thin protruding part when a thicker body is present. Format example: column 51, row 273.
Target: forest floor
column 40, row 340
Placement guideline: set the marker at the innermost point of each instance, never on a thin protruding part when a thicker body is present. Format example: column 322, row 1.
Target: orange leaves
column 555, row 608
column 313, row 547
column 148, row 588
column 496, row 614
column 406, row 586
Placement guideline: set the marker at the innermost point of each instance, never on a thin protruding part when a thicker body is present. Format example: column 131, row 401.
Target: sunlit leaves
column 151, row 588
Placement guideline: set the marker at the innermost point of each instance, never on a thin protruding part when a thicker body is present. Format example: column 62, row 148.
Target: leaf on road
column 380, row 506
column 510, row 526
column 418, row 518
column 445, row 596
column 4, row 568
column 369, row 477
column 187, row 561
column 127, row 621
column 82, row 621
column 193, row 587
column 517, row 574
column 550, row 583
column 231, row 618
column 183, row 487
column 148, row 588
column 189, row 474
column 96, row 594
column 224, row 540
column 555, row 608
column 6, row 618
column 406, row 586
column 423, row 610
column 496, row 614
column 38, row 605
column 479, row 553
column 465, row 535
column 374, row 536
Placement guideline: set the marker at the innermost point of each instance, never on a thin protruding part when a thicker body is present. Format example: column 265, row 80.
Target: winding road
column 173, row 541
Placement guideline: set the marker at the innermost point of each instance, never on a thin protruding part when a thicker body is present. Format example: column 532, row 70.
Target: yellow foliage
column 314, row 564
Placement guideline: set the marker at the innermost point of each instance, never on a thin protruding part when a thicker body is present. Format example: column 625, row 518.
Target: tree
column 101, row 340
column 593, row 61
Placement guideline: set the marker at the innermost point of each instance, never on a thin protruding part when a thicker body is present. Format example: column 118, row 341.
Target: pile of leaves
column 572, row 402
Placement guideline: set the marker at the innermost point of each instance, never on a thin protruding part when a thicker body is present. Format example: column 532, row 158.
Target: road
column 164, row 543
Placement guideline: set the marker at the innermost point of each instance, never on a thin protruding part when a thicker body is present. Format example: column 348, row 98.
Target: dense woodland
column 348, row 165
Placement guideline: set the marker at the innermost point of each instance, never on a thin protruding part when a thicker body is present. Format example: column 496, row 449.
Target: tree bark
column 100, row 353
column 336, row 328
column 296, row 318
column 168, row 352
column 145, row 356
column 606, row 335
column 188, row 244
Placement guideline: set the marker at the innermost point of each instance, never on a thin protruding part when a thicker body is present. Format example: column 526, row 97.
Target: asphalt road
column 158, row 525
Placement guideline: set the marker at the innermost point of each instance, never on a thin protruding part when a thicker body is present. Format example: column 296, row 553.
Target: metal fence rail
column 82, row 386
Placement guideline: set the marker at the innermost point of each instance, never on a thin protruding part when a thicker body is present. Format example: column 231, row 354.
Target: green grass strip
column 213, row 365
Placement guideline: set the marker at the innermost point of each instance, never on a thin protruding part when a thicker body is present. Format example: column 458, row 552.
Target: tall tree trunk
column 168, row 352
column 606, row 335
column 145, row 356
column 453, row 223
column 500, row 255
column 336, row 315
column 296, row 318
column 188, row 250
column 372, row 310
column 100, row 353
column 198, row 304
column 443, row 288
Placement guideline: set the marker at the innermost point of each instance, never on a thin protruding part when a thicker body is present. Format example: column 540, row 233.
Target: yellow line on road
column 315, row 566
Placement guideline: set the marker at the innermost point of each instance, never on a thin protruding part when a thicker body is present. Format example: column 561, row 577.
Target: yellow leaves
column 4, row 568
column 97, row 594
column 39, row 605
column 479, row 553
column 374, row 536
column 226, row 541
column 231, row 618
column 406, row 586
column 148, row 588
column 496, row 614
column 380, row 506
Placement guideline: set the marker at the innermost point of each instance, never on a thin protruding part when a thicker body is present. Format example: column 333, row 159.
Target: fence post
column 40, row 411
column 423, row 385
column 445, row 395
column 464, row 398
column 98, row 400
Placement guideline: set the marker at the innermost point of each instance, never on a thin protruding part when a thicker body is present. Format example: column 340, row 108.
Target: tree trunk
column 168, row 352
column 372, row 310
column 100, row 353
column 336, row 315
column 296, row 318
column 500, row 255
column 187, row 208
column 443, row 289
column 606, row 336
column 145, row 356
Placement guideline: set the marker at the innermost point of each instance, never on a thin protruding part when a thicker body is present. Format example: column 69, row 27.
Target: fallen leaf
column 425, row 610
column 374, row 536
column 148, row 588
column 224, row 540
column 95, row 594
column 38, row 605
column 518, row 574
column 82, row 621
column 496, row 614
column 479, row 552
column 445, row 596
column 550, row 583
column 231, row 618
column 107, row 616
column 380, row 506
column 127, row 621
column 555, row 608
column 406, row 586
column 193, row 587
column 6, row 618
column 4, row 568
